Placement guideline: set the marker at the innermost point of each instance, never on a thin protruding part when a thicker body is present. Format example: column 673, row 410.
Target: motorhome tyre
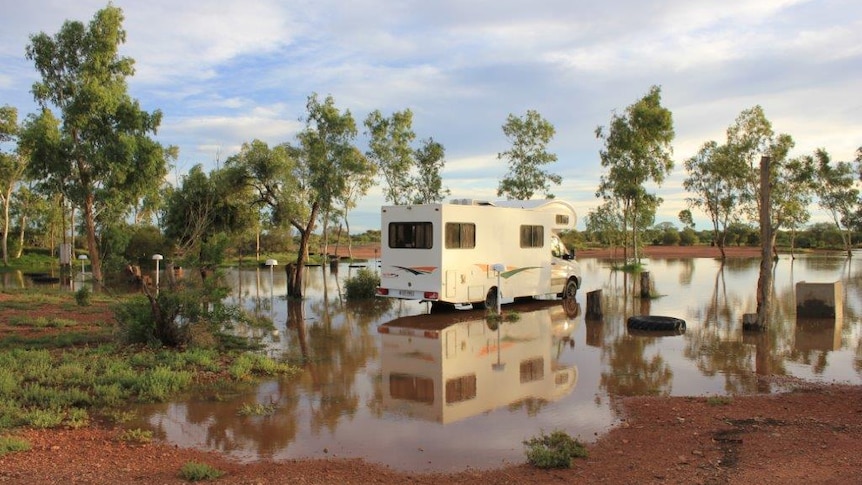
column 570, row 290
column 490, row 302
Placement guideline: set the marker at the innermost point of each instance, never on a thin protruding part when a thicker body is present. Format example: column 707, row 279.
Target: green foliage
column 158, row 384
column 49, row 389
column 554, row 451
column 77, row 418
column 136, row 323
column 257, row 409
column 363, row 285
column 43, row 418
column 494, row 319
column 83, row 296
column 137, row 435
column 247, row 365
column 529, row 137
column 637, row 151
column 390, row 150
column 98, row 153
column 188, row 313
column 688, row 237
column 195, row 472
column 11, row 444
column 145, row 241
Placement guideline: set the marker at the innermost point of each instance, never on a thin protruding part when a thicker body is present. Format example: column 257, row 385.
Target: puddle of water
column 394, row 385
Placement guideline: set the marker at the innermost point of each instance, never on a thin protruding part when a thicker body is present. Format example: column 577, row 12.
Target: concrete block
column 820, row 300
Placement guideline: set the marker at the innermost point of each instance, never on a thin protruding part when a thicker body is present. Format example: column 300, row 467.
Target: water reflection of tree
column 340, row 344
column 718, row 345
column 632, row 372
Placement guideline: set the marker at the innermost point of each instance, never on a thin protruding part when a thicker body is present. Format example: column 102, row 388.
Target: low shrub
column 554, row 451
column 83, row 296
column 362, row 286
column 195, row 472
column 137, row 435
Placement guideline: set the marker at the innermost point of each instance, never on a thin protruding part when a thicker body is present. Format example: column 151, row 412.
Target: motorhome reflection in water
column 461, row 252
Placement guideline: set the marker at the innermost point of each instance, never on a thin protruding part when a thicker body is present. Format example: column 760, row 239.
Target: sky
column 225, row 72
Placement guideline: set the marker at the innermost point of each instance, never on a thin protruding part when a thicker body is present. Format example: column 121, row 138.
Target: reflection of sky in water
column 341, row 405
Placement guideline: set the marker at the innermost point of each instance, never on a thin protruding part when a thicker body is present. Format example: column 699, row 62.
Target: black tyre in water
column 656, row 323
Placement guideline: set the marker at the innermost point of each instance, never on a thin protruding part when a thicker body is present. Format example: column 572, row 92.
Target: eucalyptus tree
column 13, row 165
column 838, row 195
column 26, row 204
column 390, row 149
column 529, row 136
column 637, row 151
column 606, row 223
column 297, row 183
column 356, row 187
column 430, row 159
column 716, row 187
column 790, row 180
column 328, row 160
column 204, row 214
column 101, row 154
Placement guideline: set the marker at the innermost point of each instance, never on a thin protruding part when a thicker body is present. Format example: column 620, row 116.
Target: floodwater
column 389, row 383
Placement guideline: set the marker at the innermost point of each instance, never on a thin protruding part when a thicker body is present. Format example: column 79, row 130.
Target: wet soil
column 810, row 435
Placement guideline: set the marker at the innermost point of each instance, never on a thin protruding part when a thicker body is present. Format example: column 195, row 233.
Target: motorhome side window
column 413, row 235
column 532, row 236
column 460, row 235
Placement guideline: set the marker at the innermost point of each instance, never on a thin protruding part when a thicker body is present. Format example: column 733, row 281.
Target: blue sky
column 224, row 72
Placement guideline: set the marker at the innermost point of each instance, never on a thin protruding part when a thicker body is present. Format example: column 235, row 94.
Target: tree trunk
column 764, row 282
column 23, row 223
column 92, row 245
column 594, row 305
column 6, row 229
column 349, row 239
column 302, row 252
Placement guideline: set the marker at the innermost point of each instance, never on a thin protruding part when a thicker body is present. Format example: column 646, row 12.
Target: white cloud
column 225, row 72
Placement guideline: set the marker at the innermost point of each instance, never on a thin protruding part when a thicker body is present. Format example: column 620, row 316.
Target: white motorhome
column 459, row 253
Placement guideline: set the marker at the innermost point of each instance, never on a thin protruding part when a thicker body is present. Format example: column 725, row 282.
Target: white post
column 157, row 258
column 83, row 258
column 499, row 268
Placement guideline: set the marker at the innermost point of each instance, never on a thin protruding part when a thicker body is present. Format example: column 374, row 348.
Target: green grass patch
column 195, row 472
column 41, row 322
column 137, row 435
column 46, row 389
column 63, row 340
column 556, row 450
column 11, row 444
